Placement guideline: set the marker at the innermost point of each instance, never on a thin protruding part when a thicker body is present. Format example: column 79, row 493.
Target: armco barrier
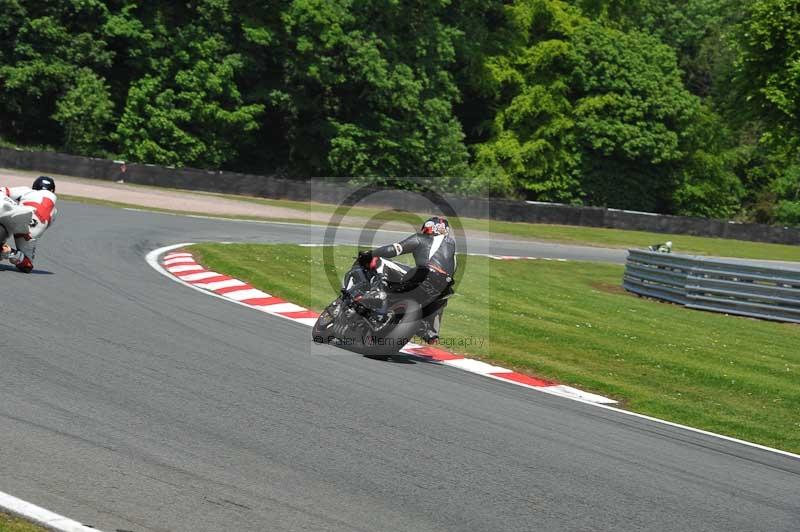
column 335, row 193
column 718, row 285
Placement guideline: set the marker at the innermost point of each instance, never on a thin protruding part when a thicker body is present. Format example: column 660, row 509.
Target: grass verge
column 587, row 236
column 9, row 523
column 571, row 321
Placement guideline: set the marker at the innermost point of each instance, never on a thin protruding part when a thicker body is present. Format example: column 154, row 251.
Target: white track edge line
column 152, row 260
column 256, row 221
column 41, row 516
column 350, row 227
column 545, row 389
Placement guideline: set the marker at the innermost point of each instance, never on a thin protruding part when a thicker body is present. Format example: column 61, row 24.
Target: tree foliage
column 678, row 106
column 189, row 110
column 587, row 113
column 48, row 47
column 770, row 65
column 368, row 88
column 767, row 80
column 85, row 113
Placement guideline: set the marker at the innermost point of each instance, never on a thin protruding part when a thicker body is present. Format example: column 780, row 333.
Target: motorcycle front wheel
column 322, row 332
column 380, row 342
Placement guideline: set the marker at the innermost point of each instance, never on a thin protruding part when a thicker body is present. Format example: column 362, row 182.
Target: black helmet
column 44, row 182
column 435, row 225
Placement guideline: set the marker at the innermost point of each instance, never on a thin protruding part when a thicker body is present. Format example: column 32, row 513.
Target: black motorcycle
column 369, row 317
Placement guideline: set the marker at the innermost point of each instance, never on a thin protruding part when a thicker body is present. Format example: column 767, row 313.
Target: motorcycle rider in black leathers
column 434, row 250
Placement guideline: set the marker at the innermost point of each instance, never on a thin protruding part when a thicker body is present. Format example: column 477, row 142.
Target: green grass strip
column 587, row 236
column 571, row 322
column 9, row 523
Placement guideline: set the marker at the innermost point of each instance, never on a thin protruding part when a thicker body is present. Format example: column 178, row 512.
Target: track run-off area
column 131, row 403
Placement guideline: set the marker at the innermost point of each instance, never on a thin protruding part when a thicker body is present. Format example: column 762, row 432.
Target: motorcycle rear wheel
column 332, row 328
column 390, row 339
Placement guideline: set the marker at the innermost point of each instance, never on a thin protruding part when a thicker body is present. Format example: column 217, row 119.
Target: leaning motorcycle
column 14, row 219
column 367, row 317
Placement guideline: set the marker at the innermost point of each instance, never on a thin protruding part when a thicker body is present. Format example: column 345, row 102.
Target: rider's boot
column 430, row 327
column 23, row 263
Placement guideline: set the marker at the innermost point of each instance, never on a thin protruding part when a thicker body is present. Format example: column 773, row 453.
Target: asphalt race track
column 132, row 403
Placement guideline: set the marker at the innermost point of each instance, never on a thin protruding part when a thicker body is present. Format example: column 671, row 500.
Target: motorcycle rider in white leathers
column 41, row 199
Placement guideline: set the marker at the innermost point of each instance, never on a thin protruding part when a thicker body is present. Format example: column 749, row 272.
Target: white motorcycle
column 14, row 219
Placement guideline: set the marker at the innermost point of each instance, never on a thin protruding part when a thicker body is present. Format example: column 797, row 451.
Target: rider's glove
column 364, row 258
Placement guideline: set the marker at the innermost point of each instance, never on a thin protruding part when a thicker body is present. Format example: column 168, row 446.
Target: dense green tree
column 680, row 106
column 533, row 148
column 135, row 32
column 259, row 38
column 368, row 90
column 766, row 104
column 86, row 114
column 46, row 48
column 633, row 118
column 587, row 113
column 769, row 67
column 787, row 190
column 188, row 110
column 695, row 29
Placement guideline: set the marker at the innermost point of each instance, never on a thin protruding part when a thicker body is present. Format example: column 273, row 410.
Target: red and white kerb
column 183, row 266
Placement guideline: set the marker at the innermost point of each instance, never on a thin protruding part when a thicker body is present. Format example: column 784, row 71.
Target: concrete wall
column 315, row 190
